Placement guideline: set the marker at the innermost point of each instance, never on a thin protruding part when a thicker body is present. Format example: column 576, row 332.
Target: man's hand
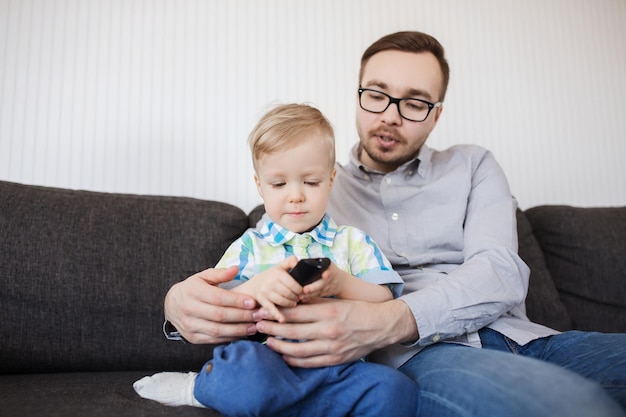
column 334, row 331
column 204, row 313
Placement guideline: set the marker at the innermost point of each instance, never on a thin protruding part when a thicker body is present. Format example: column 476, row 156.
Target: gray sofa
column 83, row 276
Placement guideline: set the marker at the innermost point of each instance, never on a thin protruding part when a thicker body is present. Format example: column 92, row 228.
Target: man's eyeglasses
column 412, row 109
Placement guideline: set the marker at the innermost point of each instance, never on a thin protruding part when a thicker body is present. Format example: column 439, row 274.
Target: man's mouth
column 386, row 140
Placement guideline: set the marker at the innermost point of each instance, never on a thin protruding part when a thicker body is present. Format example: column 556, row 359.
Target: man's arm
column 492, row 280
column 204, row 313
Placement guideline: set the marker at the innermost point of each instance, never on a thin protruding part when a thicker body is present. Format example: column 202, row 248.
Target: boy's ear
column 258, row 185
column 332, row 177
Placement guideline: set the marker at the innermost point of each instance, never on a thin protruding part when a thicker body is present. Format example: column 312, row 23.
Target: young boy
column 293, row 153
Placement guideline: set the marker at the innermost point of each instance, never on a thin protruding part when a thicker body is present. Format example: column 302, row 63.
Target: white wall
column 158, row 97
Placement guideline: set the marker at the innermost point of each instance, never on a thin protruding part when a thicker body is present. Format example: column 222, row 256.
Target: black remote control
column 309, row 270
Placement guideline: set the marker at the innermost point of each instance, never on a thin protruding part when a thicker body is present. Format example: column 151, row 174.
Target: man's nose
column 391, row 115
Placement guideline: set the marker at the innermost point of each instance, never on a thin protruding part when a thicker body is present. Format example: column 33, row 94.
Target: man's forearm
column 400, row 323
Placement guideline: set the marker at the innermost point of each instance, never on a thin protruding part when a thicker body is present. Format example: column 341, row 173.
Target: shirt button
column 394, row 216
column 436, row 338
column 388, row 180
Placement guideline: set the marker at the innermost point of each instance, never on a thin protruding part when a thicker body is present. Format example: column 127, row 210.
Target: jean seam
column 513, row 346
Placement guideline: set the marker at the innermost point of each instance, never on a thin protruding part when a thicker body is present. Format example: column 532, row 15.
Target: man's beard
column 383, row 157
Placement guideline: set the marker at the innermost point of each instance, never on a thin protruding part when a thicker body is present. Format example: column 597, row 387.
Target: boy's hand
column 274, row 287
column 330, row 285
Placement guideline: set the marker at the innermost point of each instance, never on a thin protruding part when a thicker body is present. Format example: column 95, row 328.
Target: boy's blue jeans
column 248, row 379
column 570, row 374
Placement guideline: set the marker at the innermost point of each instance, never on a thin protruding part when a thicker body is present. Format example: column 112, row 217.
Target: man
column 446, row 221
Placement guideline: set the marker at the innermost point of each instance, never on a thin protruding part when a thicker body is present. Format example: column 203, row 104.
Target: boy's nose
column 296, row 195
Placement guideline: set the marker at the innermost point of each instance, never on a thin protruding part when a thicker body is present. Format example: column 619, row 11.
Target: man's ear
column 258, row 185
column 438, row 111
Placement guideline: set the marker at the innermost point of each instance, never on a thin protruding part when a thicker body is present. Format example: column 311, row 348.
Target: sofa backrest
column 585, row 252
column 543, row 302
column 83, row 276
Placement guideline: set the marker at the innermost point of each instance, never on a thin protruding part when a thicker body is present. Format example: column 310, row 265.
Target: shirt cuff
column 171, row 332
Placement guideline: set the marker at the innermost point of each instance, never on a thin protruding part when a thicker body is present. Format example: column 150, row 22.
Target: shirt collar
column 324, row 233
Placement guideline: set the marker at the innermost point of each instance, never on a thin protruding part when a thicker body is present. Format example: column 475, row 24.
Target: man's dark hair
column 410, row 41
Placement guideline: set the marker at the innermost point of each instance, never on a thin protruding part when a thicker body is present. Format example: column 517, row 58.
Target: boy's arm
column 339, row 283
column 270, row 288
column 353, row 288
column 273, row 287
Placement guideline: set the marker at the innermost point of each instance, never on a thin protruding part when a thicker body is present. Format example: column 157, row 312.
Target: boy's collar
column 324, row 233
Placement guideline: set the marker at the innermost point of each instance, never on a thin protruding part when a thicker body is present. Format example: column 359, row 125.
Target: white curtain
column 158, row 97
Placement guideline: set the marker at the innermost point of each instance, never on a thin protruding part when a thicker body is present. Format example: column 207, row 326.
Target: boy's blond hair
column 288, row 125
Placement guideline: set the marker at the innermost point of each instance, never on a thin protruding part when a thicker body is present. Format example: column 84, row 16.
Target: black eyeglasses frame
column 397, row 101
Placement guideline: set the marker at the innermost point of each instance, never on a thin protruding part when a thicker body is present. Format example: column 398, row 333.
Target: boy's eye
column 312, row 183
column 277, row 184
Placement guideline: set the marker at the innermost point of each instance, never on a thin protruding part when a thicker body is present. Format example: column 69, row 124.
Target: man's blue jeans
column 570, row 374
column 247, row 378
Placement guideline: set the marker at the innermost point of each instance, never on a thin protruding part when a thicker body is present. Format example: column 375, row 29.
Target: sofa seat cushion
column 92, row 394
column 585, row 252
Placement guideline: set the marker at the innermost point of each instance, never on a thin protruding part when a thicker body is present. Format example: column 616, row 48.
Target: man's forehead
column 404, row 73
